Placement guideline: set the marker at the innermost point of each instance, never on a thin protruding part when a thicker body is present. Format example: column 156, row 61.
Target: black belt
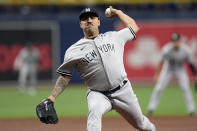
column 113, row 90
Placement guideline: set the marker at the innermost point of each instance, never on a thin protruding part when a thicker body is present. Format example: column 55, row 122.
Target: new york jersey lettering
column 106, row 48
column 89, row 57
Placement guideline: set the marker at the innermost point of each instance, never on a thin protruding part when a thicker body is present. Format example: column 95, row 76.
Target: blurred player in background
column 174, row 55
column 26, row 63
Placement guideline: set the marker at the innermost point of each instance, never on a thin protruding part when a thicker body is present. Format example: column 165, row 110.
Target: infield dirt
column 109, row 124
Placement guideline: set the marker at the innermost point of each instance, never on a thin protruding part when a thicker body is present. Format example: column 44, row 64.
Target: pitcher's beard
column 89, row 32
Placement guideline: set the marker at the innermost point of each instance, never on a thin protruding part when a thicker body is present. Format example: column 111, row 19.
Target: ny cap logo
column 87, row 10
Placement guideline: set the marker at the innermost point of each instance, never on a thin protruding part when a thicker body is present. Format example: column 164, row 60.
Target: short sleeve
column 68, row 66
column 126, row 34
column 66, row 69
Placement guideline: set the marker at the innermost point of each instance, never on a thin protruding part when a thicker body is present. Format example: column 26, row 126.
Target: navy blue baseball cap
column 88, row 11
column 175, row 37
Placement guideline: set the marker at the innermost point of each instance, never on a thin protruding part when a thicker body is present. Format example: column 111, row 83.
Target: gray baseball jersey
column 175, row 59
column 101, row 57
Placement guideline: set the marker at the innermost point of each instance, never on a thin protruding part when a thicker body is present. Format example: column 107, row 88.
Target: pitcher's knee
column 97, row 109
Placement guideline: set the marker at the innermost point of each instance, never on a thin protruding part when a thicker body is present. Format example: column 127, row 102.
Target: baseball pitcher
column 99, row 61
column 174, row 55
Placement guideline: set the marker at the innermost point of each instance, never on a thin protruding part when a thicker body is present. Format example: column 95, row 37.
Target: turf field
column 72, row 102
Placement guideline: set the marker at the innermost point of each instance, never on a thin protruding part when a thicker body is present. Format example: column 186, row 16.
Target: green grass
column 171, row 103
column 72, row 102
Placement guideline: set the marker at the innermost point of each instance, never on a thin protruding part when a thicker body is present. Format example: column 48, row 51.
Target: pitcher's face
column 90, row 23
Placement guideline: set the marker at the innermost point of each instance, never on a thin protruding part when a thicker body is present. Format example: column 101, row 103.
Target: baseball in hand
column 108, row 12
